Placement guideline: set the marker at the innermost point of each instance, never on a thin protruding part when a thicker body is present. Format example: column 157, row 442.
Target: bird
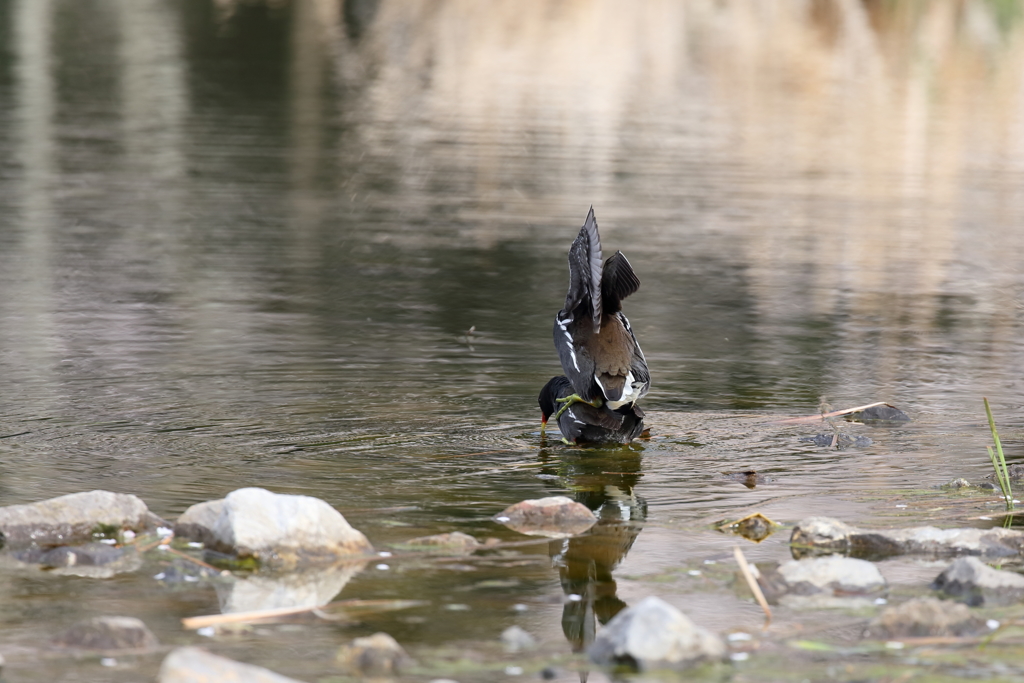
column 582, row 423
column 600, row 355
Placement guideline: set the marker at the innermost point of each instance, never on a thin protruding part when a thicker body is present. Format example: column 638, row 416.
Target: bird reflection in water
column 603, row 479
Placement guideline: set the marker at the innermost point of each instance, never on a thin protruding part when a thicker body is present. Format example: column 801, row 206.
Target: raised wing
column 618, row 282
column 585, row 271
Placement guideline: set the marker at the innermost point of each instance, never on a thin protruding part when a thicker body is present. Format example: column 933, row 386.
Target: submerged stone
column 376, row 655
column 838, row 441
column 553, row 517
column 454, row 542
column 880, row 416
column 654, row 635
column 971, row 581
column 818, row 535
column 829, row 577
column 74, row 518
column 754, row 527
column 195, row 665
column 925, row 617
column 275, row 530
column 108, row 633
column 88, row 555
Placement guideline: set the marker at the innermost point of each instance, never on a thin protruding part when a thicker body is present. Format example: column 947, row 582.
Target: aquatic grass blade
column 999, row 459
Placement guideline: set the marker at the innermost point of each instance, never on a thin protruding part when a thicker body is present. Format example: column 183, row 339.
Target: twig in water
column 834, row 413
column 741, row 560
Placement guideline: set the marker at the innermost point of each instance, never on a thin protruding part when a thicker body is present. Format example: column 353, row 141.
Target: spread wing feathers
column 619, row 281
column 585, row 271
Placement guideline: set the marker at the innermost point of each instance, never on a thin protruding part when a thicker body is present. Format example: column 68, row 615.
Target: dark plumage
column 597, row 347
column 583, row 423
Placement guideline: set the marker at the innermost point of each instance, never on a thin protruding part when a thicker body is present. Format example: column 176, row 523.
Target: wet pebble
column 750, row 478
column 973, row 582
column 108, row 633
column 654, row 635
column 553, row 517
column 454, row 542
column 376, row 655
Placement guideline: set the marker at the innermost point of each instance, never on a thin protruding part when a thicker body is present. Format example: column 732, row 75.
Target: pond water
column 317, row 246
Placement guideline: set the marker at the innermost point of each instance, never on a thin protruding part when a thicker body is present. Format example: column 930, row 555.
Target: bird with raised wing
column 596, row 345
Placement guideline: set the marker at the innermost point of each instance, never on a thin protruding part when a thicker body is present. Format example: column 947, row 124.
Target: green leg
column 569, row 400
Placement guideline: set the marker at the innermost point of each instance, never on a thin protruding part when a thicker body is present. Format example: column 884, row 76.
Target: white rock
column 654, row 635
column 279, row 530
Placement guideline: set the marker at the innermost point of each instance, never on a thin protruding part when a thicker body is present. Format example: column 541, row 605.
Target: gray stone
column 108, row 633
column 553, row 517
column 516, row 639
column 376, row 655
column 278, row 530
column 830, row 580
column 454, row 542
column 72, row 519
column 817, row 535
column 972, row 581
column 654, row 635
column 194, row 665
column 925, row 617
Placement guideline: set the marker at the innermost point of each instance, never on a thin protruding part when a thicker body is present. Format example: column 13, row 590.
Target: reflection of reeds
column 999, row 460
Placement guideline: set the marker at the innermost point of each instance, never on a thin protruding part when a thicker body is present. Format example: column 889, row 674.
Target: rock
column 455, row 542
column 749, row 478
column 925, row 617
column 74, row 518
column 276, row 530
column 194, row 665
column 108, row 633
column 880, row 416
column 755, row 527
column 817, row 535
column 972, row 581
column 829, row 577
column 654, row 635
column 516, row 639
column 310, row 587
column 554, row 517
column 376, row 655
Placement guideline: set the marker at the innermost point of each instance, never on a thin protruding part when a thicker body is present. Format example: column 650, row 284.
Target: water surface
column 244, row 244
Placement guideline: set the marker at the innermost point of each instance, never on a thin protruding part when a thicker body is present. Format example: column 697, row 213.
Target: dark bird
column 583, row 423
column 599, row 352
